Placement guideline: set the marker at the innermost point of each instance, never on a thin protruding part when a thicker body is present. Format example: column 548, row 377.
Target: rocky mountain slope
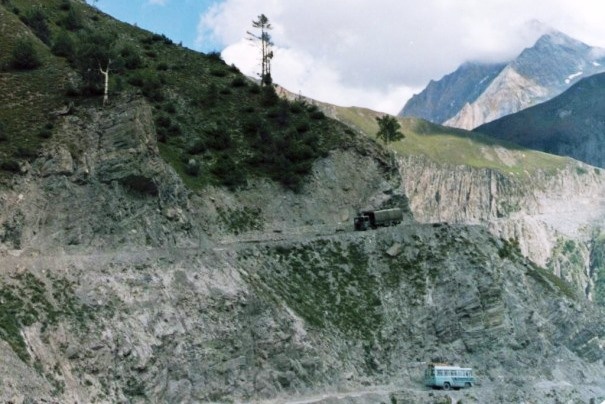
column 444, row 98
column 144, row 263
column 572, row 124
column 553, row 207
column 539, row 73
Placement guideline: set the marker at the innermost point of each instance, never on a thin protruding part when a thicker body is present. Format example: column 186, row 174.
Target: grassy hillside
column 214, row 125
column 572, row 124
column 453, row 146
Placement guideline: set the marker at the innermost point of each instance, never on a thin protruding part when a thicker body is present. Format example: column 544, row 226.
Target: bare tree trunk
column 106, row 74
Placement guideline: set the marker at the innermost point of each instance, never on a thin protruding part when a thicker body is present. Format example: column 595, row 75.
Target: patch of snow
column 596, row 64
column 573, row 76
column 483, row 79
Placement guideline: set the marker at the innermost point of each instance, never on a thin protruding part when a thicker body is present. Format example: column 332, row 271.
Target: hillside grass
column 29, row 96
column 214, row 125
column 452, row 146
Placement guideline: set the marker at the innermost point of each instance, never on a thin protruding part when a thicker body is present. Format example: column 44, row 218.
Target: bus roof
column 449, row 367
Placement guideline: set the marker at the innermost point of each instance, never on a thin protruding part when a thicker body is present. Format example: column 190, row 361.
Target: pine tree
column 388, row 129
column 265, row 43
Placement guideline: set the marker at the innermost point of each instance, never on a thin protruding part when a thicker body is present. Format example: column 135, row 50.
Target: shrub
column 37, row 21
column 254, row 89
column 150, row 84
column 303, row 126
column 162, row 66
column 280, row 114
column 193, row 167
column 318, row 115
column 218, row 72
column 73, row 21
column 269, row 96
column 251, row 124
column 166, row 128
column 130, row 57
column 297, row 107
column 169, row 107
column 161, row 38
column 10, row 166
column 65, row 5
column 46, row 132
column 24, row 55
column 219, row 141
column 64, row 46
column 3, row 135
column 197, row 147
column 25, row 152
column 211, row 97
column 238, row 81
column 228, row 172
column 163, row 121
column 216, row 56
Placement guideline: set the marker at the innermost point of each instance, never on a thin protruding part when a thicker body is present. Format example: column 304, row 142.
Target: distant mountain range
column 571, row 124
column 478, row 93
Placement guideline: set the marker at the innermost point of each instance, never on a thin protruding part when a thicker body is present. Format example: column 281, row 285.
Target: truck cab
column 361, row 222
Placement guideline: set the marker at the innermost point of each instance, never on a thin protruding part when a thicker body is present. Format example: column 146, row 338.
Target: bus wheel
column 467, row 385
column 446, row 386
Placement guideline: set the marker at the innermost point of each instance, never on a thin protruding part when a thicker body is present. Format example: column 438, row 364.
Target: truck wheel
column 467, row 385
column 446, row 386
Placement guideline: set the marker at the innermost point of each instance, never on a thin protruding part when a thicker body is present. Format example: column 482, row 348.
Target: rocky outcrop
column 119, row 292
column 539, row 210
column 508, row 93
column 252, row 321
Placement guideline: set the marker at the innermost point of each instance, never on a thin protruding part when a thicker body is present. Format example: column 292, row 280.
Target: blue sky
column 177, row 19
column 368, row 53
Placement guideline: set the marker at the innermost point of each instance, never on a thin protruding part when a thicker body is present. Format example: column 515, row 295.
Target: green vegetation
column 388, row 129
column 568, row 257
column 581, row 170
column 328, row 284
column 597, row 267
column 29, row 300
column 551, row 281
column 238, row 221
column 451, row 146
column 25, row 56
column 36, row 19
column 509, row 249
column 263, row 39
column 215, row 126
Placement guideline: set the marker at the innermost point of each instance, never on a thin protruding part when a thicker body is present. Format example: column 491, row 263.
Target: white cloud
column 376, row 53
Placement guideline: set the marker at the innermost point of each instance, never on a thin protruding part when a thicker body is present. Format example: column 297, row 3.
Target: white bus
column 447, row 377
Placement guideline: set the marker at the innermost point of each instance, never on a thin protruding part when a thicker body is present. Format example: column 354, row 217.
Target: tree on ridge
column 265, row 43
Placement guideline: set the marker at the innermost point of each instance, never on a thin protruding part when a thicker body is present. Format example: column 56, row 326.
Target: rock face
column 540, row 211
column 508, row 93
column 443, row 99
column 572, row 124
column 119, row 284
column 539, row 73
